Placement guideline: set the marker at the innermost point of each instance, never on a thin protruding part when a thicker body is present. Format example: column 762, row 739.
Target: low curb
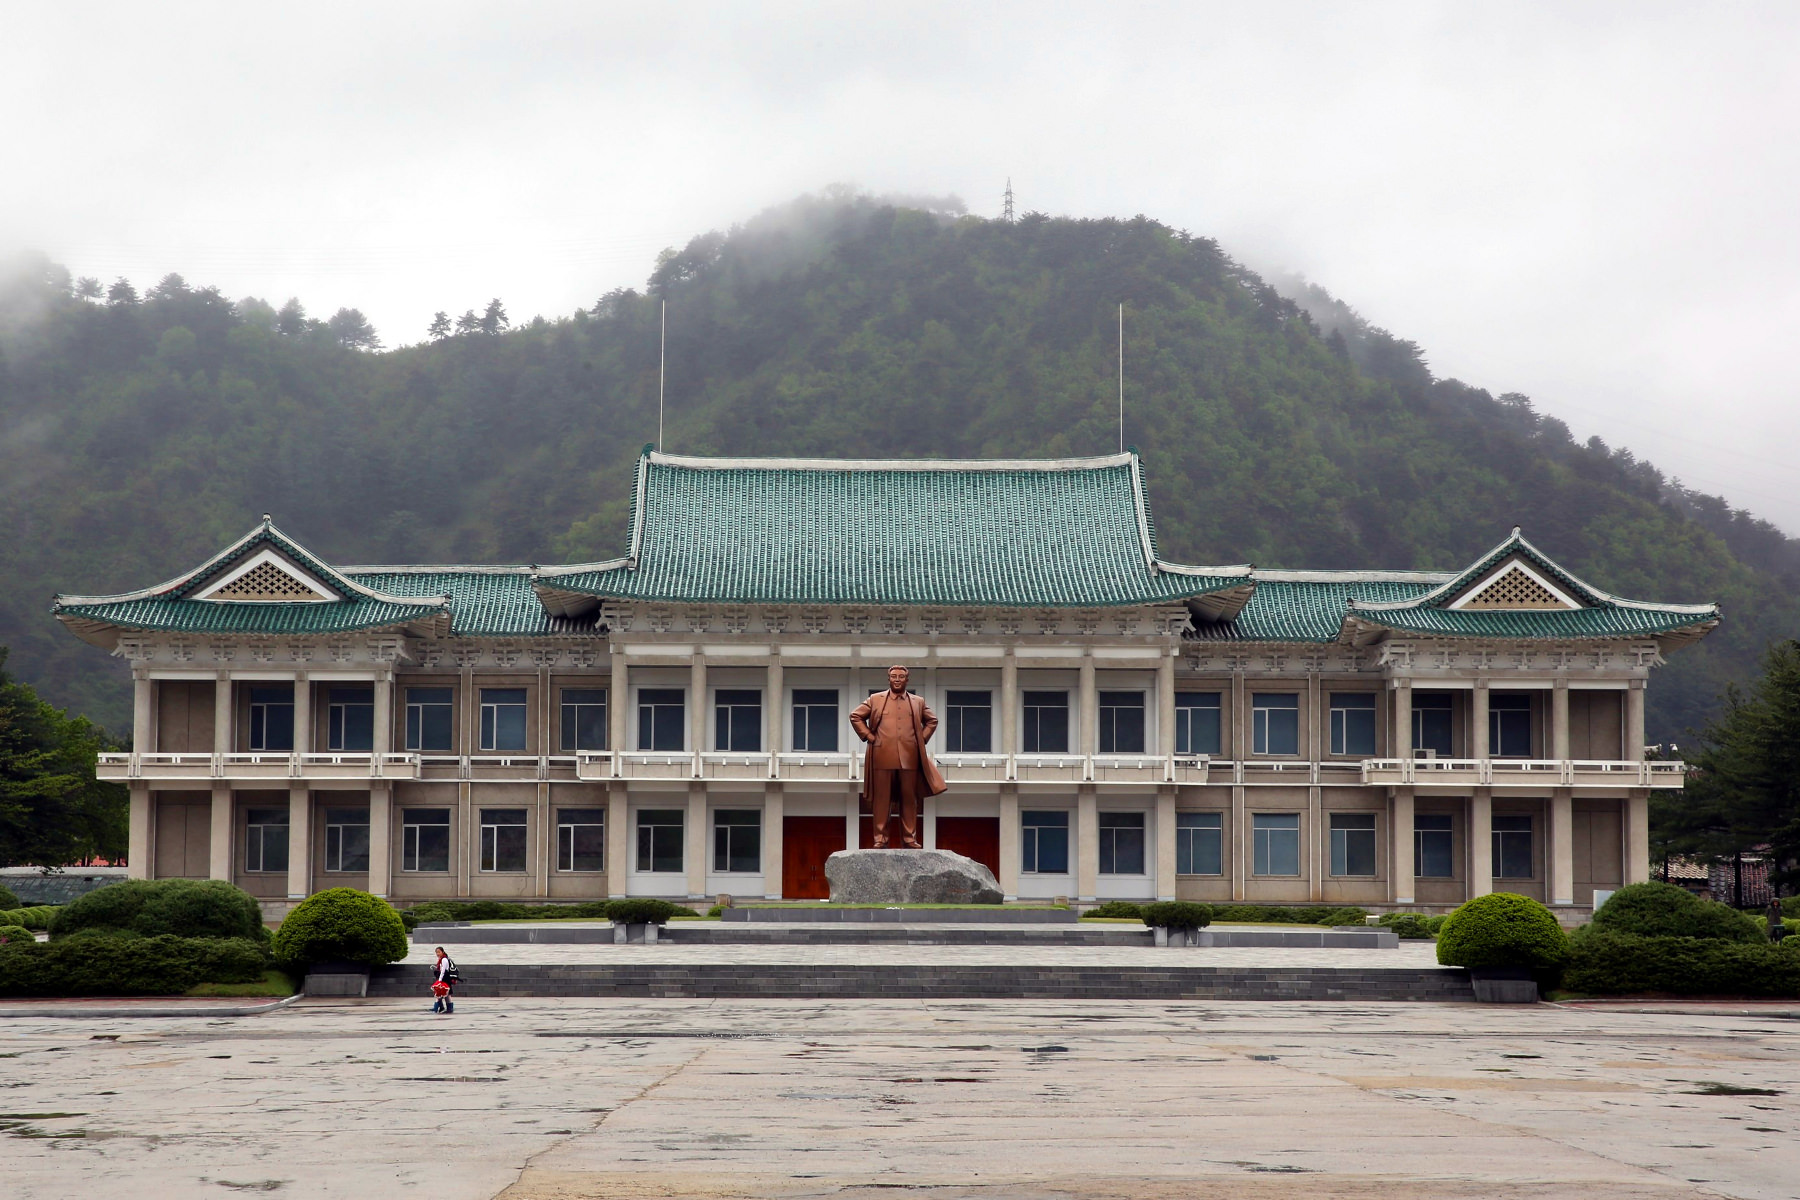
column 172, row 1007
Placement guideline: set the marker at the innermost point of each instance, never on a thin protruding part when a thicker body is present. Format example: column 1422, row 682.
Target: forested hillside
column 139, row 434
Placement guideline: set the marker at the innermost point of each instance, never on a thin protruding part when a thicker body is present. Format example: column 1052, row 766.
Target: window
column 1275, row 843
column 1196, row 722
column 502, row 718
column 1353, row 723
column 1275, row 723
column 1512, row 846
column 581, row 839
column 428, row 718
column 1121, row 722
column 350, row 717
column 662, row 716
column 1433, row 851
column 968, row 722
column 1432, row 723
column 815, row 720
column 739, row 720
column 1121, row 843
column 424, row 839
column 659, row 838
column 1046, row 722
column 503, row 839
column 737, row 841
column 1199, row 843
column 266, row 841
column 346, row 839
column 584, row 719
column 272, row 717
column 1044, row 843
column 1353, row 844
column 1509, row 724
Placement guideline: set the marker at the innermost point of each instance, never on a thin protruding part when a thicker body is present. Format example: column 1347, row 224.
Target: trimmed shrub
column 1605, row 962
column 1409, row 926
column 114, row 963
column 8, row 899
column 642, row 911
column 189, row 908
column 1118, row 910
column 1502, row 930
column 1302, row 914
column 12, row 918
column 1177, row 914
column 493, row 910
column 1664, row 910
column 341, row 925
column 37, row 918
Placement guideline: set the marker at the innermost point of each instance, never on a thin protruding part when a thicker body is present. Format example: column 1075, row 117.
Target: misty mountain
column 138, row 434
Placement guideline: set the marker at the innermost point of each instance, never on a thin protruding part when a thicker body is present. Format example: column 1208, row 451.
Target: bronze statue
column 895, row 725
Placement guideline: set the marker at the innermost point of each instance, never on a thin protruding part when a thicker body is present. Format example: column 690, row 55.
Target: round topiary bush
column 8, row 899
column 1502, row 930
column 192, row 908
column 1663, row 910
column 641, row 911
column 341, row 925
column 1177, row 914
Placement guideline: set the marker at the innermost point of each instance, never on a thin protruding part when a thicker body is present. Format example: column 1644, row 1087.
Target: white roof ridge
column 702, row 463
column 1283, row 575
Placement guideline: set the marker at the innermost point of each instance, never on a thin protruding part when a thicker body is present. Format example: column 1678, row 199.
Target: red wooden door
column 972, row 837
column 806, row 842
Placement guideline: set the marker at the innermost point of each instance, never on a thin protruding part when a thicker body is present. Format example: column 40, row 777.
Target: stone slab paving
column 554, row 1100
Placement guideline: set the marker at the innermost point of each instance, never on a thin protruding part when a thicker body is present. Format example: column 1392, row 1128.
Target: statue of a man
column 895, row 725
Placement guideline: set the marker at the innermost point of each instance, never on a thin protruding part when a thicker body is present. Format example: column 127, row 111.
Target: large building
column 674, row 722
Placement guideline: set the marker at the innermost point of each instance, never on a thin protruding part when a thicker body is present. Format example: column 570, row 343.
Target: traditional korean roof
column 1068, row 533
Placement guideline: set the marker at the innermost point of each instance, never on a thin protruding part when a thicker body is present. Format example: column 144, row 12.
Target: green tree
column 439, row 328
column 493, row 320
column 292, row 320
column 53, row 812
column 352, row 330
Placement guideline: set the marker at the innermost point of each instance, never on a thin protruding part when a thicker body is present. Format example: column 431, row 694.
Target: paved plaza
column 553, row 1100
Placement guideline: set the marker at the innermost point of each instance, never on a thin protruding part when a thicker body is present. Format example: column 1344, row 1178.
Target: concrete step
column 709, row 933
column 987, row 914
column 948, row 981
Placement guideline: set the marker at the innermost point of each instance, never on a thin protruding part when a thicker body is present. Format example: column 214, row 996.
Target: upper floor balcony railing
column 1521, row 772
column 250, row 766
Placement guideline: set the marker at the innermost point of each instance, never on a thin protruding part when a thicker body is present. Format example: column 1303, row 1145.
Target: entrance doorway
column 806, row 842
column 972, row 837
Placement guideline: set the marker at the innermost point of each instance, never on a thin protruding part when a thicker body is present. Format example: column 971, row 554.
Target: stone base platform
column 987, row 914
column 696, row 933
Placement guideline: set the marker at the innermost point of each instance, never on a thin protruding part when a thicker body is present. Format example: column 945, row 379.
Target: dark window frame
column 737, row 841
column 737, row 718
column 1034, row 717
column 571, row 834
column 413, row 850
column 1354, row 718
column 1124, row 723
column 1124, row 840
column 1353, row 845
column 662, row 719
column 1190, row 727
column 816, row 720
column 581, row 714
column 428, row 714
column 1191, row 830
column 344, row 830
column 655, row 847
column 962, row 725
column 1035, row 848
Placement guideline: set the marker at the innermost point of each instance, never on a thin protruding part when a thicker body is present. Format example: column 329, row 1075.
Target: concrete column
column 1634, row 721
column 1403, row 723
column 853, row 818
column 1481, row 842
column 1089, row 698
column 1165, row 843
column 303, row 711
column 1009, row 708
column 698, row 702
column 140, row 858
column 470, row 715
column 1240, row 718
column 219, row 846
column 774, row 804
column 1315, row 843
column 1559, row 720
column 1478, row 721
column 1400, row 855
column 1011, row 854
column 618, row 839
column 928, row 815
column 618, row 701
column 699, row 835
column 381, row 832
column 1562, row 848
column 1165, row 707
column 1315, row 698
column 384, row 715
column 547, row 731
column 1240, row 841
column 223, row 712
column 299, row 840
column 143, row 712
column 775, row 705
column 1087, row 843
column 465, row 839
column 546, row 839
column 1637, row 836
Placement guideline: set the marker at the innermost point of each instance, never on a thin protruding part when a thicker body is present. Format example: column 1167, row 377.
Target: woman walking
column 444, row 978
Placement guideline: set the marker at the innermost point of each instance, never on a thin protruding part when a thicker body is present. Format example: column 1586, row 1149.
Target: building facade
column 675, row 722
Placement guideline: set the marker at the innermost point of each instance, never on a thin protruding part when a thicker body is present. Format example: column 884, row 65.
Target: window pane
column 1353, row 723
column 1353, row 844
column 737, row 841
column 1512, row 846
column 1276, row 843
column 1121, row 722
column 968, row 722
column 1046, row 722
column 1433, row 723
column 1121, row 843
column 1199, row 843
column 428, row 718
column 584, row 719
column 1433, row 845
column 1044, row 842
column 1197, row 723
column 1275, row 724
column 660, row 838
column 662, row 718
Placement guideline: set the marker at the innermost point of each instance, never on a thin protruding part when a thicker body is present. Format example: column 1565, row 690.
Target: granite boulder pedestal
column 909, row 877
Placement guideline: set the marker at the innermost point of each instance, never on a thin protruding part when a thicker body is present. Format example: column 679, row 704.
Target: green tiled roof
column 1072, row 533
column 1306, row 610
column 1600, row 621
column 484, row 601
column 206, row 616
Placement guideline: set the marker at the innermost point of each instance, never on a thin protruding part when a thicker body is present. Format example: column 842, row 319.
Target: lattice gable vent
column 1515, row 588
column 268, row 580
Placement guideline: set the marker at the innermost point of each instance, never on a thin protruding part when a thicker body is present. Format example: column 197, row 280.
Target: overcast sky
column 1595, row 205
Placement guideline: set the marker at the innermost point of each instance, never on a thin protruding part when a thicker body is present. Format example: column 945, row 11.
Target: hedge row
column 1413, row 926
column 187, row 908
column 124, row 964
column 1656, row 909
column 1603, row 962
column 1245, row 913
column 494, row 910
column 36, row 918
